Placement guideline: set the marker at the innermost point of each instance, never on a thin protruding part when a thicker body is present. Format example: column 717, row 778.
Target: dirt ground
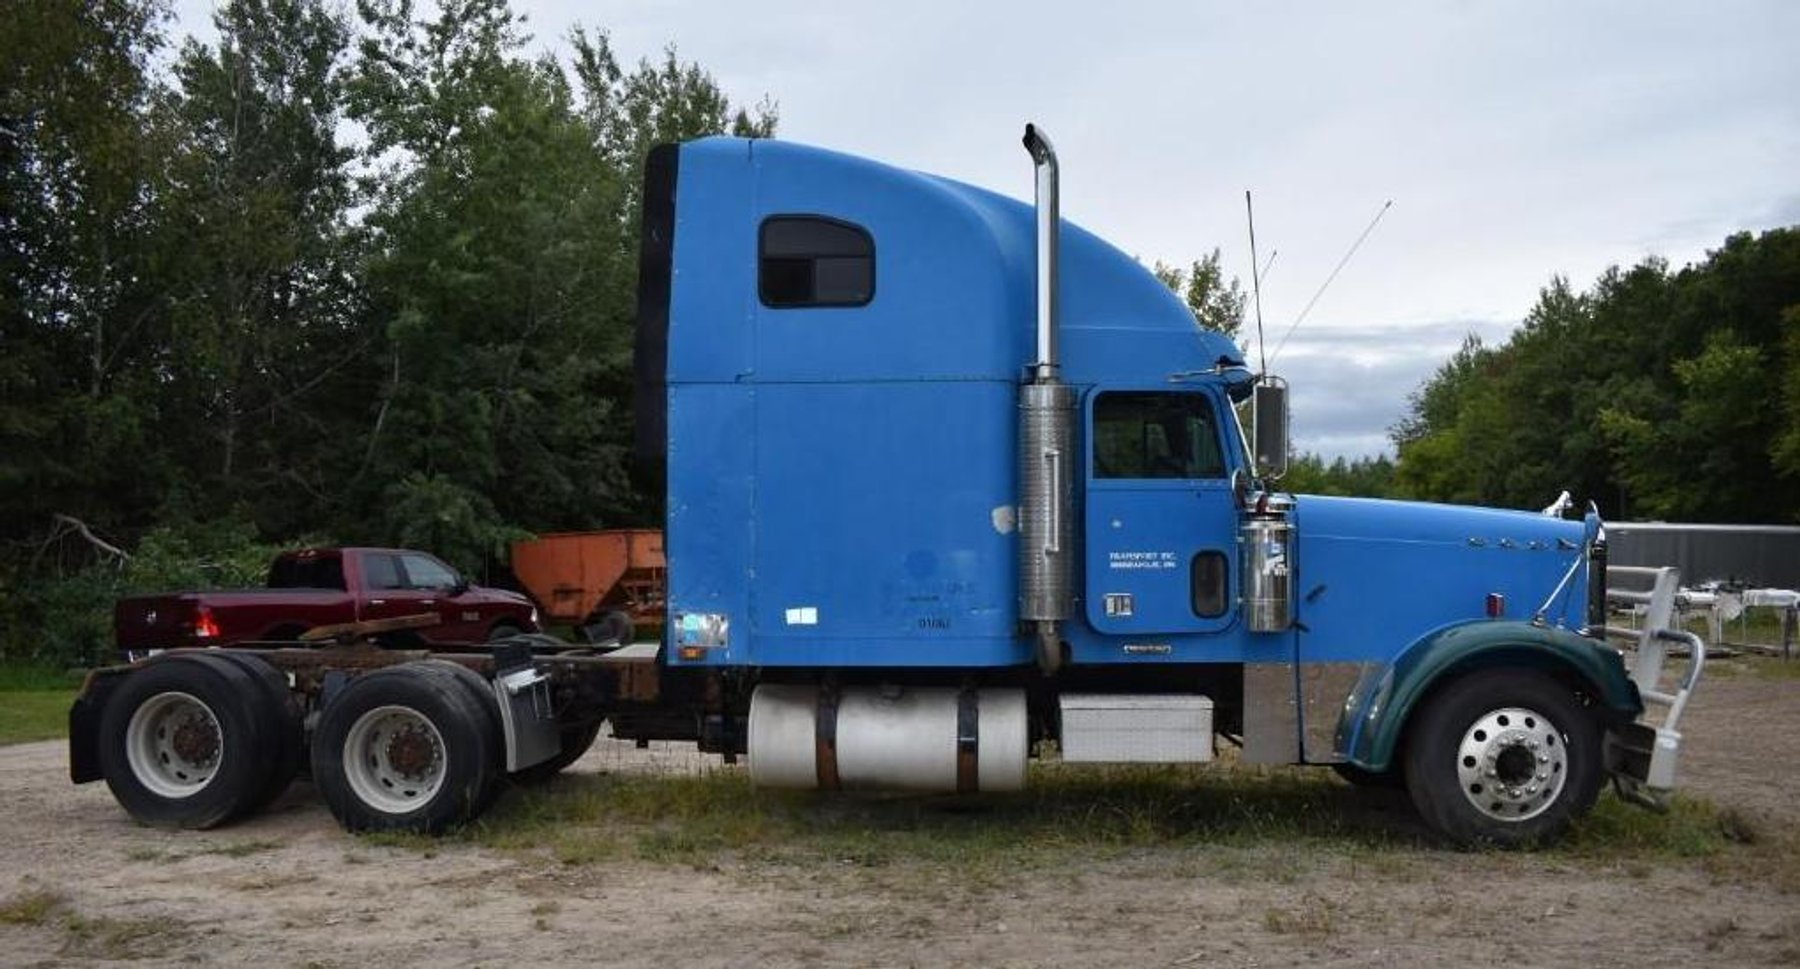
column 290, row 889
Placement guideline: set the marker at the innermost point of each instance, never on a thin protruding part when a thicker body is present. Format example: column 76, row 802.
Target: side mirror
column 460, row 586
column 1269, row 422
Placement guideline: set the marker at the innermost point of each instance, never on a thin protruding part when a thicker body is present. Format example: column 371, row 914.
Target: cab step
column 1642, row 756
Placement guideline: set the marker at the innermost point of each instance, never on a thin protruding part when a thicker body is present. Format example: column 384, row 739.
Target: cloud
column 1350, row 384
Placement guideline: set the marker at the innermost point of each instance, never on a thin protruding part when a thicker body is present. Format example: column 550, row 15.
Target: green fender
column 1377, row 711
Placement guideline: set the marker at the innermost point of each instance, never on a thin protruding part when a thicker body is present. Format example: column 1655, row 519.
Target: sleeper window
column 809, row 260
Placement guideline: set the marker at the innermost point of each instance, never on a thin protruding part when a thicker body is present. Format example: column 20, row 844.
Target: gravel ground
column 289, row 888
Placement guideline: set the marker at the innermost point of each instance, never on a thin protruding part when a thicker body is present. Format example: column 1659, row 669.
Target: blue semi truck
column 952, row 484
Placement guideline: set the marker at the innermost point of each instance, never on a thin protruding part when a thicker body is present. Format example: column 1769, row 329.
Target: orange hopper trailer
column 606, row 583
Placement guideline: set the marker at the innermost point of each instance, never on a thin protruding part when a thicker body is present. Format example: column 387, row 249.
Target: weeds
column 234, row 849
column 31, row 907
column 107, row 938
column 92, row 938
column 1314, row 917
column 1268, row 824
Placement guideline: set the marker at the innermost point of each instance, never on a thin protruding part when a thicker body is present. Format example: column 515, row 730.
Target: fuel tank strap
column 825, row 739
column 968, row 741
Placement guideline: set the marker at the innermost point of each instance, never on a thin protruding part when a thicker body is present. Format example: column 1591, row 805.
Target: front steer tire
column 1507, row 758
column 407, row 748
column 184, row 742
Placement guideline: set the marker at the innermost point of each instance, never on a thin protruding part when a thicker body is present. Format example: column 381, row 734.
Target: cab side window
column 811, row 260
column 1156, row 435
column 427, row 573
column 382, row 572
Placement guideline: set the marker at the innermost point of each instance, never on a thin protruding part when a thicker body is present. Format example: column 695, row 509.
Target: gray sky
column 1517, row 140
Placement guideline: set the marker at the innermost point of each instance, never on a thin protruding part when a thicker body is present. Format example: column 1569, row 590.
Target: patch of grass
column 234, row 849
column 1243, row 825
column 240, row 849
column 271, row 881
column 1691, row 828
column 1772, row 667
column 37, row 678
column 421, row 843
column 1067, row 814
column 28, row 715
column 1314, row 917
column 32, row 906
column 107, row 938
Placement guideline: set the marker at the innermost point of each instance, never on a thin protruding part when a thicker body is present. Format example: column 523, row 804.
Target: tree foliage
column 1216, row 301
column 366, row 274
column 1659, row 394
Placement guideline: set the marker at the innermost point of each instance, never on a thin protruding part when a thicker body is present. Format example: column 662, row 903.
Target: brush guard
column 1641, row 756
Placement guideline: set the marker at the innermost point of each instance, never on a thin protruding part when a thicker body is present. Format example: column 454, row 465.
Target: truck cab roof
column 935, row 279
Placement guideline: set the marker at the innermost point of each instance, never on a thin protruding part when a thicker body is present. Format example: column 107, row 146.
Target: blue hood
column 1373, row 571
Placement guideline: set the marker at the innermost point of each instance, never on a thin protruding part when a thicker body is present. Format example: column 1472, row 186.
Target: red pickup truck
column 324, row 587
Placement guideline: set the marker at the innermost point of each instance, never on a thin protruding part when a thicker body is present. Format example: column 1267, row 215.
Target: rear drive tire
column 283, row 726
column 1506, row 758
column 576, row 739
column 406, row 748
column 183, row 742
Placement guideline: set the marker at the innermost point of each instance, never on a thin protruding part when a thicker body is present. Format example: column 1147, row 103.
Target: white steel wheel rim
column 173, row 745
column 394, row 759
column 1512, row 764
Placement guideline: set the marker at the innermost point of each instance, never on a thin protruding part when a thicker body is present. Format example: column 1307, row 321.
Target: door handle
column 377, row 602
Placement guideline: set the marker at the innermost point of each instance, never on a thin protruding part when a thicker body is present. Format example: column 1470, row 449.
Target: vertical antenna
column 1256, row 287
column 1334, row 274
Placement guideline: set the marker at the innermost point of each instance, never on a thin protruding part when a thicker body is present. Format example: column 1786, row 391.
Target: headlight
column 534, row 615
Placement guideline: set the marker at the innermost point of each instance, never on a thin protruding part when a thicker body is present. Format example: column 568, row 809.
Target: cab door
column 1161, row 519
column 408, row 584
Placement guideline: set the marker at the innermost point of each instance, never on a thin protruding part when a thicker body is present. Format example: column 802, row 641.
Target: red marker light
column 1496, row 605
column 205, row 626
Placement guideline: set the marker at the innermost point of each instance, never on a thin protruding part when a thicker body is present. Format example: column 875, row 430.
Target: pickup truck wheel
column 503, row 630
column 406, row 748
column 182, row 742
column 283, row 726
column 576, row 739
column 1506, row 758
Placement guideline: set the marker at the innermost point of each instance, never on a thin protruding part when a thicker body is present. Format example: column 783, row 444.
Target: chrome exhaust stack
column 1046, row 440
column 1049, row 221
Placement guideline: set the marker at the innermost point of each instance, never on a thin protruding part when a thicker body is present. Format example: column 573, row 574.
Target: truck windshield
column 307, row 573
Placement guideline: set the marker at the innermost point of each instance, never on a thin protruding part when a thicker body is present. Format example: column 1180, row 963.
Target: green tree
column 1362, row 477
column 77, row 178
column 1656, row 393
column 258, row 260
column 1216, row 301
column 504, row 272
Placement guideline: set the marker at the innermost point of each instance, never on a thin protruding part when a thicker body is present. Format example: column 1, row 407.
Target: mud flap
column 84, row 728
column 526, row 719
